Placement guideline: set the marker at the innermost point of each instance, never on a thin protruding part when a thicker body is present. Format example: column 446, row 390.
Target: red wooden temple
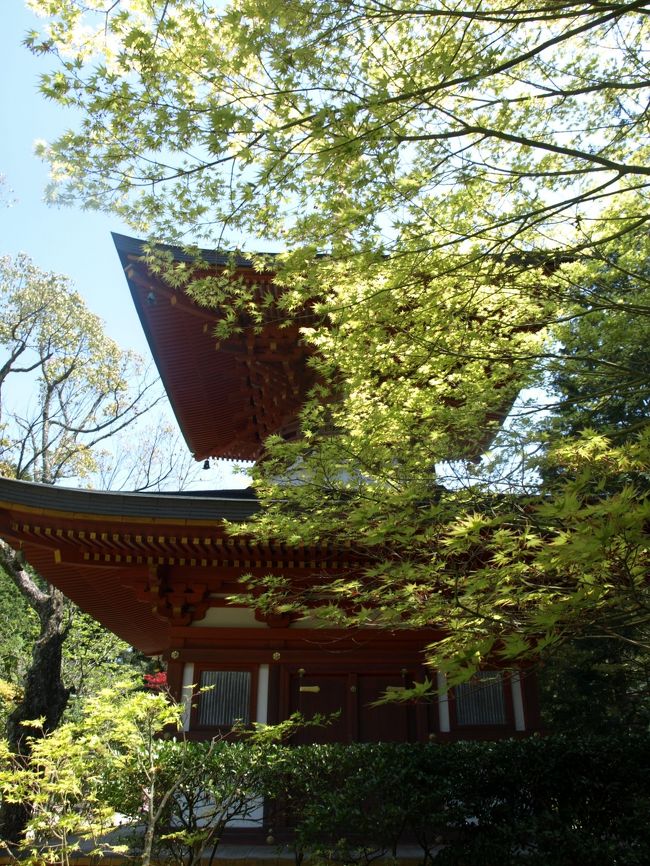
column 157, row 569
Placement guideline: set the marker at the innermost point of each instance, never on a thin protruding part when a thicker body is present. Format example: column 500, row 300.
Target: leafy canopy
column 476, row 178
column 353, row 125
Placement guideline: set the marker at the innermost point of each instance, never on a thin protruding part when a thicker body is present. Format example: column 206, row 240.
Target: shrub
column 557, row 801
column 562, row 801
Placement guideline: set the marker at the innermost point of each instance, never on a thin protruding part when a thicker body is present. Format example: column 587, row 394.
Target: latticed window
column 227, row 699
column 481, row 700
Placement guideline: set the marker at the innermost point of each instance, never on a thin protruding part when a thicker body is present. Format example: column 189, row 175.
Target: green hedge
column 555, row 801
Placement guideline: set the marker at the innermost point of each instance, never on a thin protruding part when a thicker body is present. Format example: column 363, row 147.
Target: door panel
column 387, row 723
column 324, row 694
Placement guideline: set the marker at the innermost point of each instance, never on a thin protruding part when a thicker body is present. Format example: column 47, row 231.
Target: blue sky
column 65, row 240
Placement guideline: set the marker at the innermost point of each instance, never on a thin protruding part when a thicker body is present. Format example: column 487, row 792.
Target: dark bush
column 557, row 801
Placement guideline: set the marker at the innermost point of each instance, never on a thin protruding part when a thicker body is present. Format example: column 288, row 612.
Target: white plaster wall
column 229, row 617
column 255, row 817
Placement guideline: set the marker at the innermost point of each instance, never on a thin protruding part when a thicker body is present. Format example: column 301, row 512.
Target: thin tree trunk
column 44, row 697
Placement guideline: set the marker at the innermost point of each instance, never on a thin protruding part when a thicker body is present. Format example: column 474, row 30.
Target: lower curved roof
column 102, row 549
column 233, row 505
column 146, row 565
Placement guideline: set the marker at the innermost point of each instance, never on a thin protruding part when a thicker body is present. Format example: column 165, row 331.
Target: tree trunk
column 45, row 697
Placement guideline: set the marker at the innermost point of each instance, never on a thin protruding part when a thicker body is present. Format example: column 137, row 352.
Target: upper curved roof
column 230, row 395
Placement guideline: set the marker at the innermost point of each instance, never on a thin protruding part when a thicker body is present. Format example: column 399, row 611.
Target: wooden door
column 322, row 694
column 387, row 723
column 349, row 699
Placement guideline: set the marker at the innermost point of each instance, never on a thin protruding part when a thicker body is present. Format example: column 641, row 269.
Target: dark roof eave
column 181, row 506
column 127, row 246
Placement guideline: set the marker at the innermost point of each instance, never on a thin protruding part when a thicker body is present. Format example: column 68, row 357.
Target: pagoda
column 158, row 569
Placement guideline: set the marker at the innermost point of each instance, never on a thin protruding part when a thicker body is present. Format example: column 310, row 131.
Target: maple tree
column 460, row 197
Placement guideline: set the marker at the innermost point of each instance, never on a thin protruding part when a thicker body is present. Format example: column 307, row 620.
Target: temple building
column 157, row 569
